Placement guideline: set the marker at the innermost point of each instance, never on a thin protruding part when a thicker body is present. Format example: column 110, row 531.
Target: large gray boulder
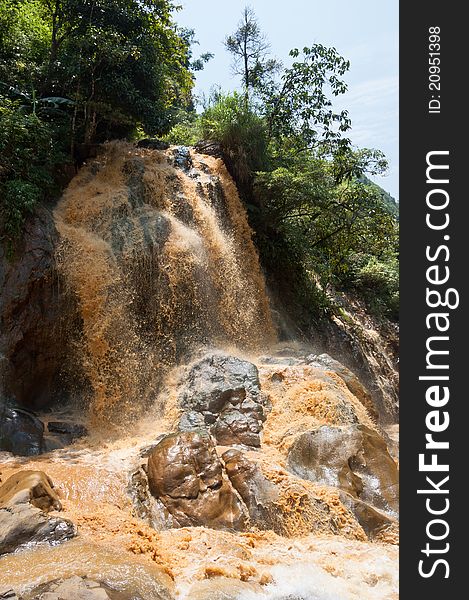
column 222, row 393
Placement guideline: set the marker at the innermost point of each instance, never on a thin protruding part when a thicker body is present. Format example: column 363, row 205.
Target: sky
column 363, row 31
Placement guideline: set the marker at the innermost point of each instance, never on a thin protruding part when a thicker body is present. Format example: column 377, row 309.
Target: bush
column 185, row 133
column 19, row 199
column 240, row 131
column 377, row 281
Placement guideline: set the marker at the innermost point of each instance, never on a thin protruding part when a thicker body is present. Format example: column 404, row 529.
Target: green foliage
column 77, row 72
column 326, row 220
column 29, row 157
column 186, row 131
column 19, row 197
column 24, row 41
column 376, row 280
column 123, row 63
column 240, row 131
column 299, row 106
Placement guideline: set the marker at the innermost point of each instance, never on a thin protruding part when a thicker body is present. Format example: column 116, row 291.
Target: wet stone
column 185, row 473
column 25, row 499
column 223, row 394
column 354, row 458
column 21, row 432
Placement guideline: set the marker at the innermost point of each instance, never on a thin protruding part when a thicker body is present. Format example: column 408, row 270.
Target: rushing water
column 158, row 255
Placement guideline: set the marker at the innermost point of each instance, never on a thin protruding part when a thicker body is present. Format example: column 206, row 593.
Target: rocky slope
column 177, row 450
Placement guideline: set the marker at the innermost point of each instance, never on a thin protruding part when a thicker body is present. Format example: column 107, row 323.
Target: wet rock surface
column 350, row 379
column 354, row 458
column 34, row 487
column 75, row 588
column 222, row 393
column 33, row 335
column 282, row 503
column 259, row 494
column 185, row 473
column 221, row 588
column 83, row 588
column 74, row 430
column 21, row 432
column 63, row 433
column 24, row 500
column 373, row 521
column 23, row 524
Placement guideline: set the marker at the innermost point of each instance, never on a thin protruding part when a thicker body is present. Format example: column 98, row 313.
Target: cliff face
column 33, row 315
column 147, row 257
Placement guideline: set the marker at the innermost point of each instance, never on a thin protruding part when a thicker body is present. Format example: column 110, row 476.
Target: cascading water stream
column 157, row 251
column 157, row 257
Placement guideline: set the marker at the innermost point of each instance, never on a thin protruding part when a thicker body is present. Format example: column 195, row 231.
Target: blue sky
column 363, row 31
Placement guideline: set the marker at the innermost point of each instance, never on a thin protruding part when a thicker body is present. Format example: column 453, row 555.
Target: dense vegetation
column 77, row 72
column 321, row 225
column 74, row 73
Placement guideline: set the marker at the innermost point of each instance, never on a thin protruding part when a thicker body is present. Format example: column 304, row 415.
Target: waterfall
column 157, row 251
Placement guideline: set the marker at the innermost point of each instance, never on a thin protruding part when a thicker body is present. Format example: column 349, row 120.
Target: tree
column 123, row 63
column 251, row 50
column 298, row 107
column 80, row 72
column 326, row 221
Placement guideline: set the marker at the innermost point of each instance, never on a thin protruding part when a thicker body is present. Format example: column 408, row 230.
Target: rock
column 20, row 432
column 74, row 588
column 224, row 588
column 34, row 316
column 210, row 147
column 278, row 501
column 372, row 520
column 153, row 144
column 7, row 593
column 23, row 524
column 223, row 394
column 182, row 158
column 72, row 431
column 259, row 494
column 34, row 487
column 24, row 498
column 146, row 506
column 353, row 458
column 349, row 378
column 185, row 473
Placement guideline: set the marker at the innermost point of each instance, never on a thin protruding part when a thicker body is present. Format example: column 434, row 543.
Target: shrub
column 377, row 281
column 240, row 131
column 185, row 133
